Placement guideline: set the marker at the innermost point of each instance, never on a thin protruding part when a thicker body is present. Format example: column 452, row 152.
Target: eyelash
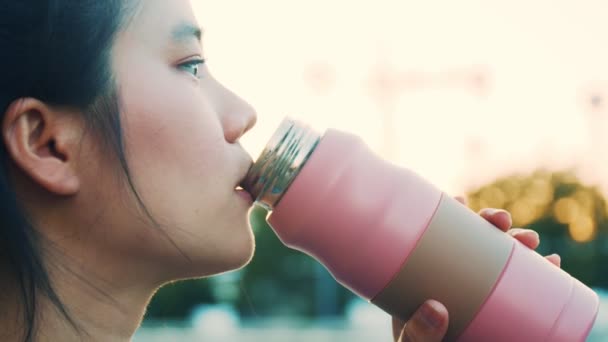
column 192, row 66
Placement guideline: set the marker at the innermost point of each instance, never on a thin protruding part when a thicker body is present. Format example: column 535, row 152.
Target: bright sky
column 473, row 89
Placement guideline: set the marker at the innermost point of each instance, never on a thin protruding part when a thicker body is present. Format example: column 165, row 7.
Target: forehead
column 158, row 19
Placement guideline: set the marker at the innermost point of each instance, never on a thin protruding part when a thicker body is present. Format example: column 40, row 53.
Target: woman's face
column 182, row 131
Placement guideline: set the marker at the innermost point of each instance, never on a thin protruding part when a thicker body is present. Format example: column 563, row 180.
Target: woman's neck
column 100, row 309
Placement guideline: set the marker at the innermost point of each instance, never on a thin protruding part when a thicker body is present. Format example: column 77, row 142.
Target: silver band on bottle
column 280, row 162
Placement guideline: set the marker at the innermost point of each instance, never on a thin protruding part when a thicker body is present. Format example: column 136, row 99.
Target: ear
column 43, row 144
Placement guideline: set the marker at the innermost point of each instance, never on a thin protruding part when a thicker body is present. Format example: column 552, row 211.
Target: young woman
column 120, row 159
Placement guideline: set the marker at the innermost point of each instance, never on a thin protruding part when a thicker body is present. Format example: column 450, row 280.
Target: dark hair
column 57, row 51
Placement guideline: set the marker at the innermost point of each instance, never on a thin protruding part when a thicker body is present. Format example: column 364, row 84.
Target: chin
column 242, row 254
column 234, row 256
column 226, row 262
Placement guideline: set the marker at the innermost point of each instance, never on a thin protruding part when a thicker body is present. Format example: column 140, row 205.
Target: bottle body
column 396, row 240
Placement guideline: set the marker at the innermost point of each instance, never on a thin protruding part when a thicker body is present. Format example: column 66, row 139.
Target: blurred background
column 505, row 102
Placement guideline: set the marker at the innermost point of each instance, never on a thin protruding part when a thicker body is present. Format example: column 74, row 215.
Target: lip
column 238, row 186
column 244, row 195
column 245, row 170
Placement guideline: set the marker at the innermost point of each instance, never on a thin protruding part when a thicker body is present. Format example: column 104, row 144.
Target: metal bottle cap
column 280, row 162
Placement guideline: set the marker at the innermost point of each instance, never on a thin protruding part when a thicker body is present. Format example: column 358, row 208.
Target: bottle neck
column 280, row 162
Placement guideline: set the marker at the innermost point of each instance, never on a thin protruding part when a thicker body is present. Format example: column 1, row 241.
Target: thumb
column 428, row 324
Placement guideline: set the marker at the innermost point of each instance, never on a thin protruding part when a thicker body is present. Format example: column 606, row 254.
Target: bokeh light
column 582, row 228
column 566, row 210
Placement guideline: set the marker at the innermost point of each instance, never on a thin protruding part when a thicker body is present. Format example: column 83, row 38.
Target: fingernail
column 559, row 258
column 490, row 211
column 519, row 231
column 430, row 315
column 493, row 211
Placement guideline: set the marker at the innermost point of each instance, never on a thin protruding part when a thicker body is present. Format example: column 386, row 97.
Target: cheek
column 174, row 139
column 169, row 117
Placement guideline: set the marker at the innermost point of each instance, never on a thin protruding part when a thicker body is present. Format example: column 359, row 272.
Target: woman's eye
column 193, row 66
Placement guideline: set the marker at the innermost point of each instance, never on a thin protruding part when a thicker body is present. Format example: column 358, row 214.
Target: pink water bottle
column 394, row 239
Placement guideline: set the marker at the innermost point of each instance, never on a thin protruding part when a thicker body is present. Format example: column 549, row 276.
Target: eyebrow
column 185, row 31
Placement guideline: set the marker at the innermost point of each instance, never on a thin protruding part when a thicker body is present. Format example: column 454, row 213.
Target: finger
column 461, row 199
column 429, row 324
column 498, row 217
column 398, row 325
column 555, row 259
column 528, row 237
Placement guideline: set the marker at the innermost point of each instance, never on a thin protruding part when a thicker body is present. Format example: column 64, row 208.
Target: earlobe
column 40, row 143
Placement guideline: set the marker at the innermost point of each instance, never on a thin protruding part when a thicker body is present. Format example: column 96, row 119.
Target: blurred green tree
column 175, row 301
column 569, row 216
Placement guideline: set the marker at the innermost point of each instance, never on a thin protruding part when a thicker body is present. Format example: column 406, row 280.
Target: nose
column 238, row 118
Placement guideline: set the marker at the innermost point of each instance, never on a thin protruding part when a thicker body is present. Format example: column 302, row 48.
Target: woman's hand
column 430, row 322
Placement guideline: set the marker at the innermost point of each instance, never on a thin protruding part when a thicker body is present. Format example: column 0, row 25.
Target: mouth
column 243, row 194
column 241, row 181
column 239, row 185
